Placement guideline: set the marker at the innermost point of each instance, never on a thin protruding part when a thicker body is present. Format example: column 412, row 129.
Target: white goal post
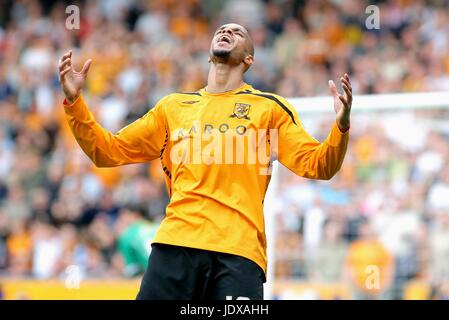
column 316, row 106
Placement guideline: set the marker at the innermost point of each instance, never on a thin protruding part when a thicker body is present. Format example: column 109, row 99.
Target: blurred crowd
column 385, row 214
column 57, row 210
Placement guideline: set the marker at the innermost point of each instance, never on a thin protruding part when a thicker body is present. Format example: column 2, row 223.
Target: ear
column 248, row 61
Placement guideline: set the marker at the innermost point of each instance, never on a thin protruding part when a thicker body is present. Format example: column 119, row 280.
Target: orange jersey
column 214, row 204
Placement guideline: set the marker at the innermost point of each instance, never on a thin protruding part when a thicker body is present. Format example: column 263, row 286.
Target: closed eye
column 236, row 31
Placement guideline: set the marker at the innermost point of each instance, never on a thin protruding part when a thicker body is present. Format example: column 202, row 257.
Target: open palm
column 342, row 103
column 72, row 81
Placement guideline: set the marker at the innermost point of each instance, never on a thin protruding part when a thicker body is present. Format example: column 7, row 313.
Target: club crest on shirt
column 241, row 111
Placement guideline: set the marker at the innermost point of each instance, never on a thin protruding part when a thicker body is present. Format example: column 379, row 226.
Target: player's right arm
column 140, row 141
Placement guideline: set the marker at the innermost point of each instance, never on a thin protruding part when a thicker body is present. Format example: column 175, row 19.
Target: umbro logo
column 190, row 101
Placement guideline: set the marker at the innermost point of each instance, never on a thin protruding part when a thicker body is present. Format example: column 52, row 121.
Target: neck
column 223, row 77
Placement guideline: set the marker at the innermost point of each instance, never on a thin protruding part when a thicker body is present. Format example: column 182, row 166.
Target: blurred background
column 70, row 230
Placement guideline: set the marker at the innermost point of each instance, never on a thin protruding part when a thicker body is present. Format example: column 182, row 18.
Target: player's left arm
column 303, row 154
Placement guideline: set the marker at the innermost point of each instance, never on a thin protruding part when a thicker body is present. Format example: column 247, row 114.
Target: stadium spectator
column 134, row 235
column 328, row 262
column 369, row 266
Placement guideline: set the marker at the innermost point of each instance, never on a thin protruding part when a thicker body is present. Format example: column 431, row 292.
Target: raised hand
column 72, row 81
column 342, row 103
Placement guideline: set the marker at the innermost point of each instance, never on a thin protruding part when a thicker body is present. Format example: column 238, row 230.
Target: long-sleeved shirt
column 216, row 151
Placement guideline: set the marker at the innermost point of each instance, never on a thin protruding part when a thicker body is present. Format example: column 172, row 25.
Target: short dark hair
column 250, row 44
column 136, row 208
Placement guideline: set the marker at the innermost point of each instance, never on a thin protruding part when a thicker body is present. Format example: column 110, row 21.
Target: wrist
column 343, row 126
column 343, row 121
column 71, row 99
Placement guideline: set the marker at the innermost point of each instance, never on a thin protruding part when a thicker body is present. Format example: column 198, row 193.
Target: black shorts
column 181, row 273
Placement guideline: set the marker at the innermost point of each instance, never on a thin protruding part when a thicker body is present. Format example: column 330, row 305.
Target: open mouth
column 224, row 38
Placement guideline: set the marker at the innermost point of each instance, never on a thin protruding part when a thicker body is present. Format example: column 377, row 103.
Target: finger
column 346, row 76
column 343, row 100
column 343, row 80
column 333, row 88
column 348, row 94
column 346, row 89
column 68, row 54
column 86, row 67
column 66, row 63
column 64, row 72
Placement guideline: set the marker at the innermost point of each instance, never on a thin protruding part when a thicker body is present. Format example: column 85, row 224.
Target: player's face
column 230, row 40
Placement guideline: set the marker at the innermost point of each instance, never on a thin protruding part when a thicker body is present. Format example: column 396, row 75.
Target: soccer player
column 211, row 243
